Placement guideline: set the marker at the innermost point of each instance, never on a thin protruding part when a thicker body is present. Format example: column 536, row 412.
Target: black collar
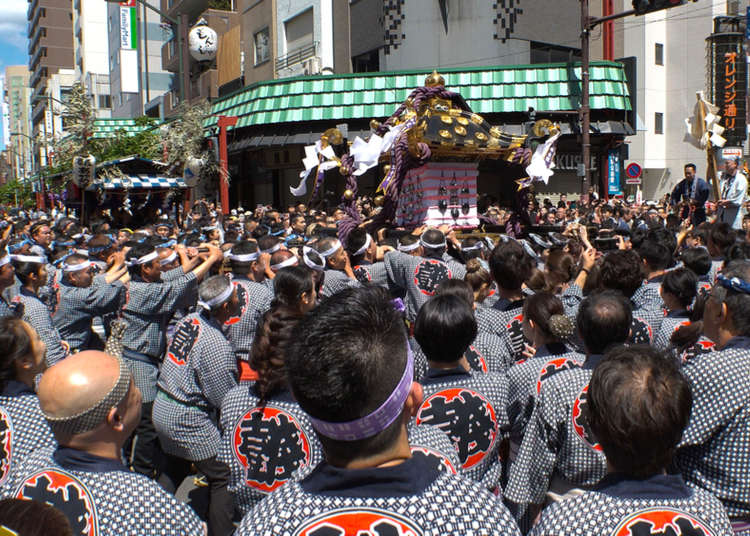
column 441, row 375
column 655, row 487
column 406, row 479
column 15, row 388
column 681, row 313
column 657, row 279
column 592, row 360
column 554, row 348
column 737, row 342
column 78, row 460
column 506, row 305
column 363, row 263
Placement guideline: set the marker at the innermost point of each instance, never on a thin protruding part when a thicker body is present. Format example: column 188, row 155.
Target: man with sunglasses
column 714, row 453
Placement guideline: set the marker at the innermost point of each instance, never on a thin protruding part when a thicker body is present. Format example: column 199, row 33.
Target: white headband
column 167, row 260
column 361, row 250
column 432, row 246
column 143, row 260
column 478, row 245
column 218, row 300
column 84, row 252
column 76, row 267
column 330, row 251
column 247, row 257
column 29, row 258
column 408, row 247
column 272, row 249
column 309, row 262
column 291, row 261
column 5, row 260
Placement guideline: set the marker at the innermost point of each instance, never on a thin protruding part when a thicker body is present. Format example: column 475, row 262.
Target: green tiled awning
column 108, row 128
column 505, row 89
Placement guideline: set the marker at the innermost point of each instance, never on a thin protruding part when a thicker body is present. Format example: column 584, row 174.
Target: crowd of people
column 590, row 376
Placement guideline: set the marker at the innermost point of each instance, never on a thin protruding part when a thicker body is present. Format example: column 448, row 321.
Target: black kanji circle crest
column 662, row 521
column 702, row 347
column 183, row 341
column 271, row 446
column 429, row 274
column 554, row 366
column 476, row 360
column 243, row 296
column 6, row 445
column 515, row 334
column 359, row 522
column 640, row 332
column 434, row 459
column 66, row 493
column 362, row 273
column 581, row 422
column 467, row 418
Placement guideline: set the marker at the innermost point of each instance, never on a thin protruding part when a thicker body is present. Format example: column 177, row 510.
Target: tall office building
column 18, row 133
column 50, row 32
column 91, row 52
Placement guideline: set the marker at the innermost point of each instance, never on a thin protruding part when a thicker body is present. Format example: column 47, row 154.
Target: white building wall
column 669, row 89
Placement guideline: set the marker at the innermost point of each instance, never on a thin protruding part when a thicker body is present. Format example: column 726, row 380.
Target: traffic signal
column 649, row 6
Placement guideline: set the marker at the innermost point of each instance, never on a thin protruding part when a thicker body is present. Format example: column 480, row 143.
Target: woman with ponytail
column 549, row 330
column 267, row 439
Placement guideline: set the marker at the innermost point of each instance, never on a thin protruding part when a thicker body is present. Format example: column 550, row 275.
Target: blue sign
column 613, row 171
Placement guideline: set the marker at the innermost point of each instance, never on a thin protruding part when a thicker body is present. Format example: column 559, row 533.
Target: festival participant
column 32, row 273
column 714, row 453
column 480, row 280
column 720, row 237
column 369, row 480
column 254, row 298
column 656, row 260
column 338, row 271
column 92, row 405
column 558, row 454
column 282, row 259
column 23, row 428
column 620, row 270
column 733, row 195
column 81, row 296
column 679, row 288
column 199, row 369
column 548, row 329
column 698, row 261
column 41, row 236
column 100, row 248
column 693, row 192
column 7, row 279
column 420, row 275
column 510, row 265
column 445, row 328
column 638, row 406
column 267, row 439
column 151, row 302
column 363, row 251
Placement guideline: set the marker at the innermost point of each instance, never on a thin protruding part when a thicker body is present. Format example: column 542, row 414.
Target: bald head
column 77, row 383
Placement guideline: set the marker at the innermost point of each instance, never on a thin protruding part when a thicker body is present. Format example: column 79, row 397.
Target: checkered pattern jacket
column 335, row 281
column 37, row 315
column 23, row 428
column 104, row 500
column 77, row 307
column 557, row 442
column 714, row 453
column 414, row 497
column 255, row 299
column 198, row 370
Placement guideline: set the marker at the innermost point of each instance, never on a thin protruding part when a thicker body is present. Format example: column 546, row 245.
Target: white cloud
column 13, row 23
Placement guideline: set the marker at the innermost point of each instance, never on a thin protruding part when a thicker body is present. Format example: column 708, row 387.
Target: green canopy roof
column 503, row 89
column 108, row 128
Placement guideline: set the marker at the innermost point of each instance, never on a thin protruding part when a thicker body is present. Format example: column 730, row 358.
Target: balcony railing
column 298, row 55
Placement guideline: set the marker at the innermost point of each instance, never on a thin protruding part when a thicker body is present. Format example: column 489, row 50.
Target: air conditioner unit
column 311, row 66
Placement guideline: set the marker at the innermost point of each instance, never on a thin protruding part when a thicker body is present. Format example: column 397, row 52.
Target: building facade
column 17, row 101
column 92, row 52
column 50, row 32
column 137, row 80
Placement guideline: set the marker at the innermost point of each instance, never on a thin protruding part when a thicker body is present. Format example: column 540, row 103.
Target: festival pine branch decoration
column 705, row 132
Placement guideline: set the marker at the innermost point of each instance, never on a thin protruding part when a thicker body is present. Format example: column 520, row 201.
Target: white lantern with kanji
column 202, row 42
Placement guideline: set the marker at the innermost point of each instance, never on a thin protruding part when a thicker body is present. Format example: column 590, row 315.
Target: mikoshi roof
column 109, row 127
column 500, row 89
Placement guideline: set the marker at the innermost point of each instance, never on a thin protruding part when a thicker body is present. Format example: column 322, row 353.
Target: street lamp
column 180, row 23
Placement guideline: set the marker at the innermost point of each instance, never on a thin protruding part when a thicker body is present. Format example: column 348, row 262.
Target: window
column 299, row 31
column 262, row 46
column 545, row 53
column 658, row 123
column 659, row 54
column 105, row 101
column 172, row 48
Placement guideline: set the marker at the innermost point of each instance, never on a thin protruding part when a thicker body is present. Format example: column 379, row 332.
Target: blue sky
column 12, row 37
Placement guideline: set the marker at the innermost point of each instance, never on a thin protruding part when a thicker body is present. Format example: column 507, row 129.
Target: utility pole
column 585, row 111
